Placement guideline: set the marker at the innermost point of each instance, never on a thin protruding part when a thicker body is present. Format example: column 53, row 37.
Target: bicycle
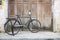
column 15, row 24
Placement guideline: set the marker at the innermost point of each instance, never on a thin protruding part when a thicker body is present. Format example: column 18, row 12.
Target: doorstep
column 29, row 35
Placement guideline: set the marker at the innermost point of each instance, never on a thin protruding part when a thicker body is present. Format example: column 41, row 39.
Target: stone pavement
column 27, row 35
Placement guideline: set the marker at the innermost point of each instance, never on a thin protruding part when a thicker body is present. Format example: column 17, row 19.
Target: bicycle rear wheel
column 10, row 27
column 34, row 26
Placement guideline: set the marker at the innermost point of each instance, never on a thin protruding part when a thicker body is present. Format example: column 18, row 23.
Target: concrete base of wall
column 58, row 28
column 56, row 22
column 2, row 28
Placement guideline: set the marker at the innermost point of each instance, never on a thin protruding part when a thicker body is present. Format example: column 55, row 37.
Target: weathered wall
column 56, row 15
column 43, row 13
column 3, row 14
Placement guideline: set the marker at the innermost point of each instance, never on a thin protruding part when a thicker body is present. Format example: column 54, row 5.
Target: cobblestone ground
column 27, row 35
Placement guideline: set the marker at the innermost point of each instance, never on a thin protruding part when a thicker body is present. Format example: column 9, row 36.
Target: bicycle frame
column 19, row 19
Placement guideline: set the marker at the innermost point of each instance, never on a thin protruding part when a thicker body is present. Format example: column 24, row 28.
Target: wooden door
column 39, row 8
column 11, row 4
column 44, row 13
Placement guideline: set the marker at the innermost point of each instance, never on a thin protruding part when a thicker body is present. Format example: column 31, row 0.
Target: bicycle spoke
column 34, row 26
column 31, row 25
column 10, row 27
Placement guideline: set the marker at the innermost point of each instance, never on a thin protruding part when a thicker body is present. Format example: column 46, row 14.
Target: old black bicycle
column 13, row 25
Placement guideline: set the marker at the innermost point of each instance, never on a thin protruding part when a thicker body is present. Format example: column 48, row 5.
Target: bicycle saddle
column 18, row 14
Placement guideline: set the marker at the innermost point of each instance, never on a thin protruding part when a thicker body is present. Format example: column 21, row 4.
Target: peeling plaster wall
column 56, row 15
column 3, row 14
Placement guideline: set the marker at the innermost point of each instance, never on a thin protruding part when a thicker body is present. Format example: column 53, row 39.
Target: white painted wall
column 56, row 15
column 3, row 14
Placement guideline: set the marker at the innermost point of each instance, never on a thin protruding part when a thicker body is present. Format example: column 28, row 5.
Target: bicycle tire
column 34, row 26
column 9, row 25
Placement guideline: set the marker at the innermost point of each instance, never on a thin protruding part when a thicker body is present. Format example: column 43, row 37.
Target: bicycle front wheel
column 34, row 26
column 10, row 27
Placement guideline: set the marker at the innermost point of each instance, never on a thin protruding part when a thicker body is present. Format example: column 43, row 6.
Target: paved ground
column 28, row 35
